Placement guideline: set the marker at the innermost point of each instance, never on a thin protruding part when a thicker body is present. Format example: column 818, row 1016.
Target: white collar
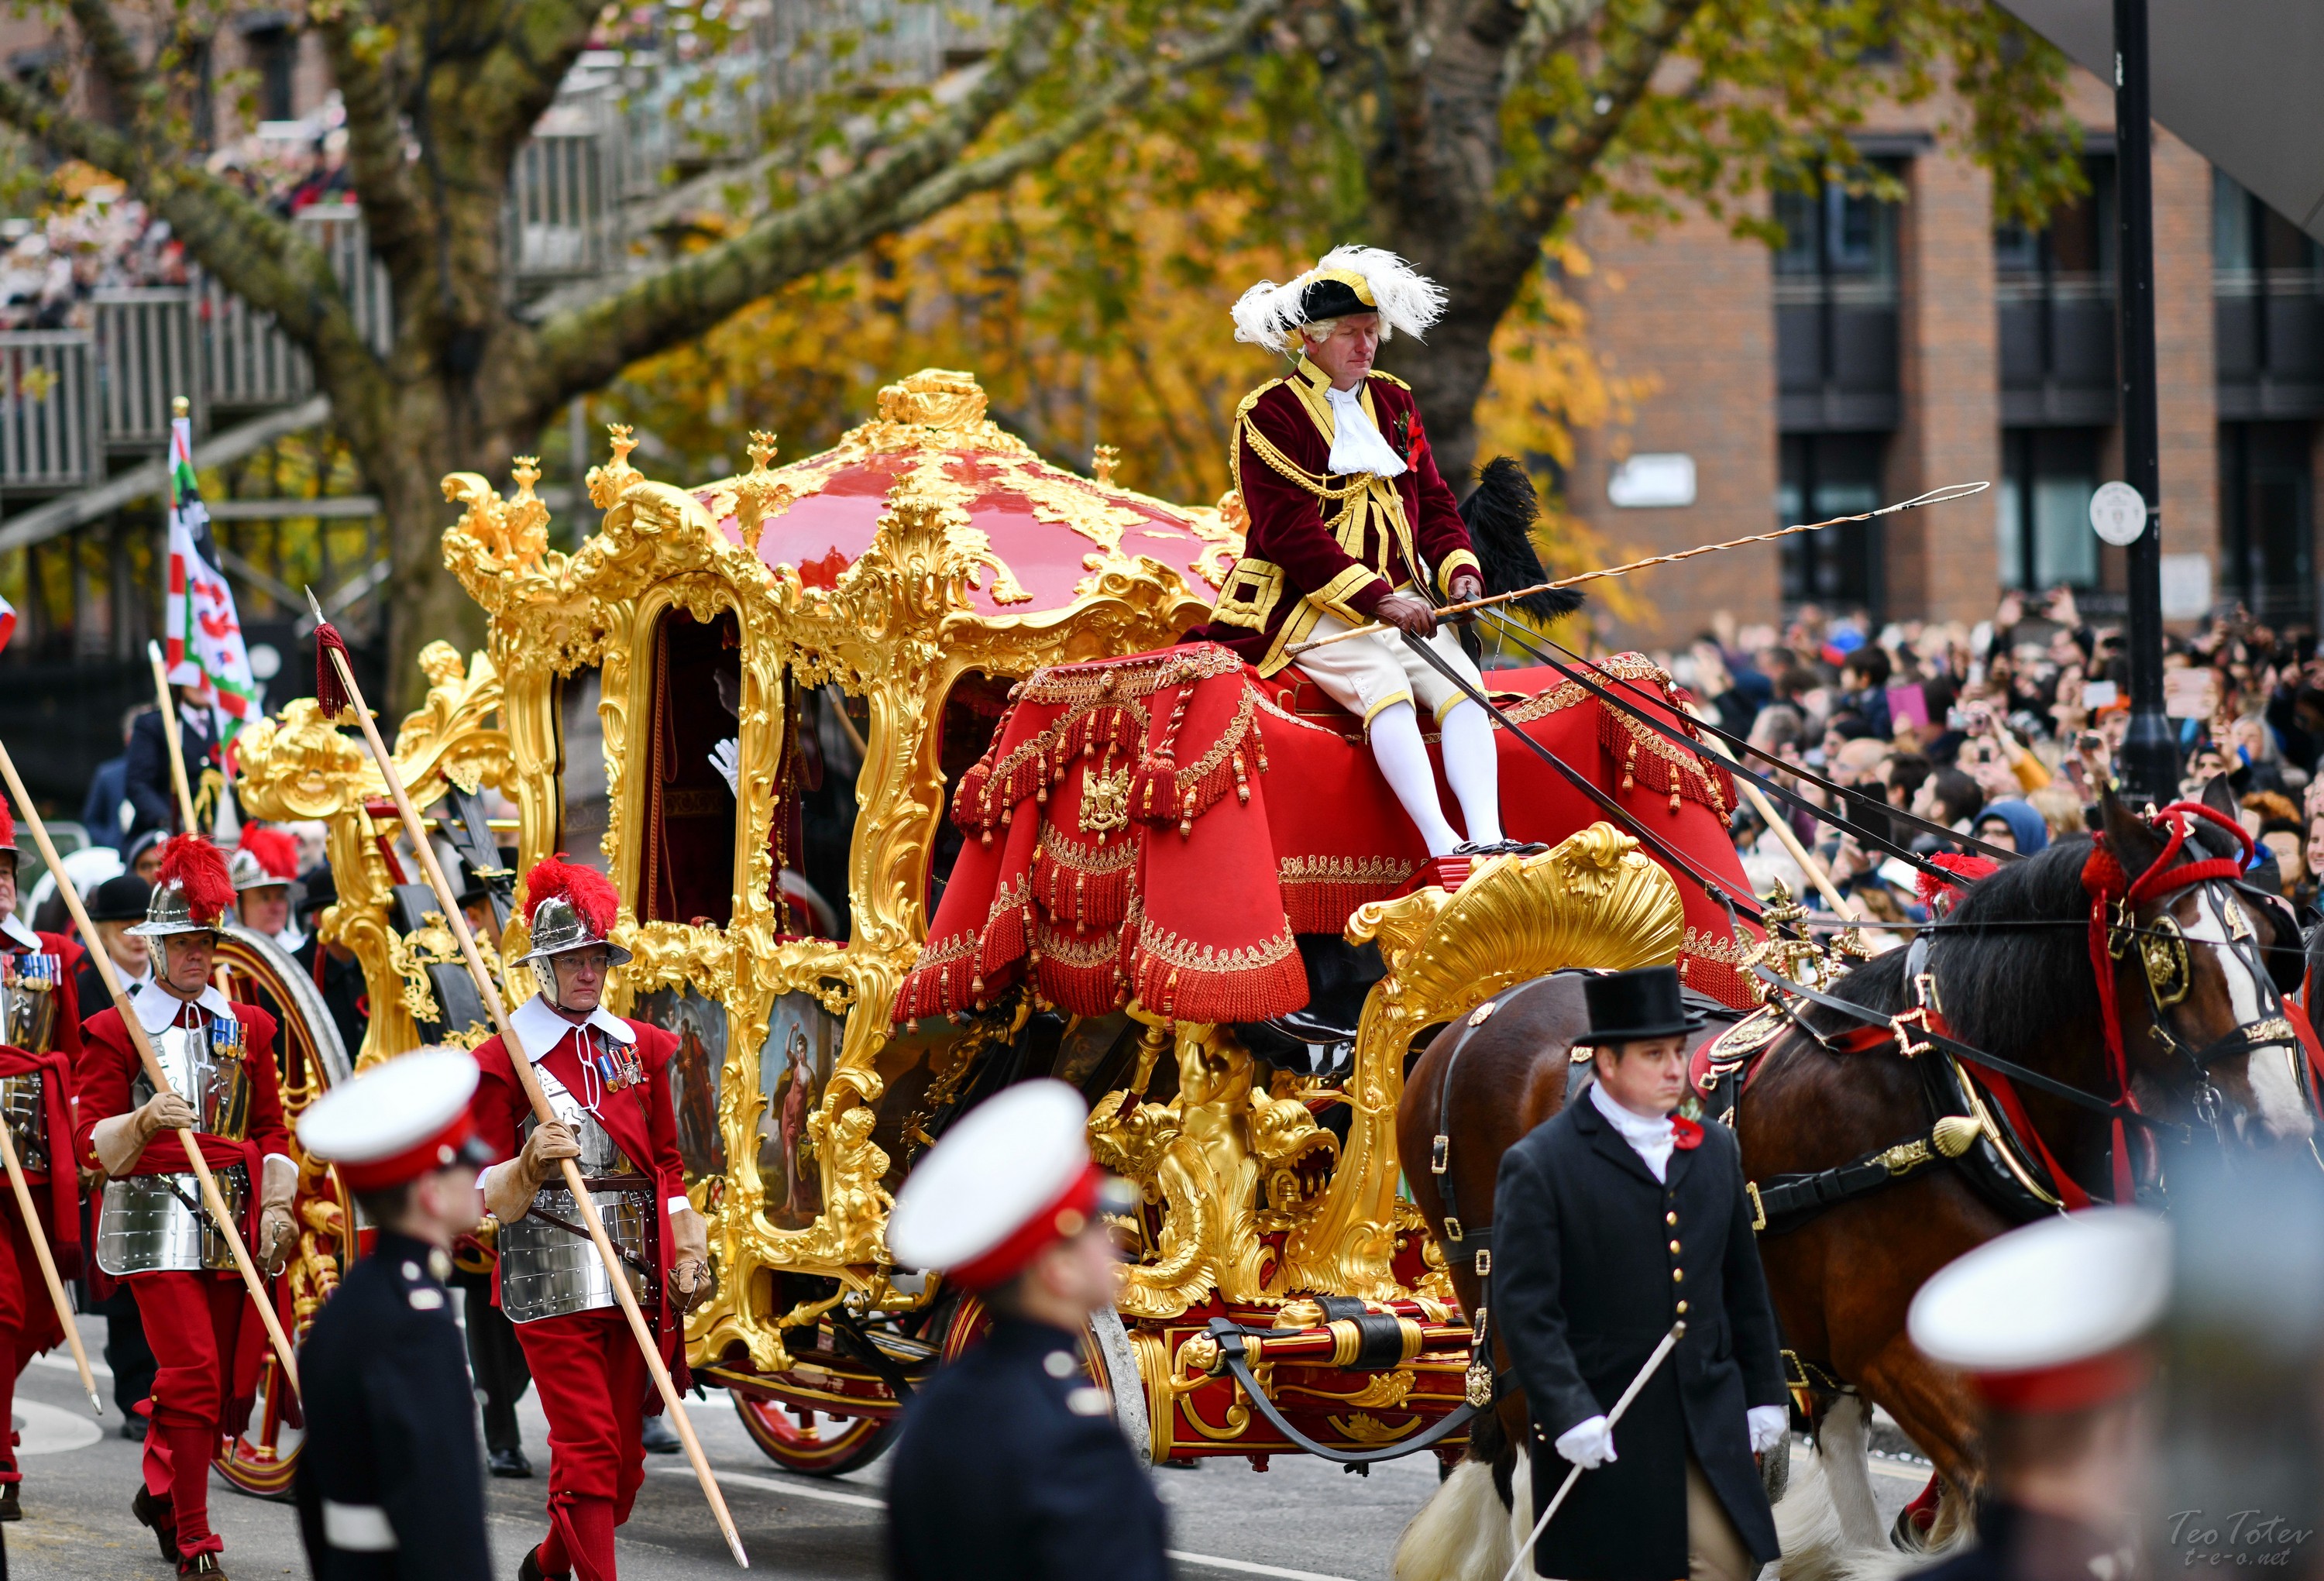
column 157, row 1007
column 1356, row 443
column 290, row 938
column 1651, row 1138
column 13, row 927
column 540, row 1028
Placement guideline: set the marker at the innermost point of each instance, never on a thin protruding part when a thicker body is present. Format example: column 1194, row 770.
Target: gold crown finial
column 526, row 471
column 606, row 482
column 1102, row 462
column 762, row 449
column 623, row 439
column 179, row 406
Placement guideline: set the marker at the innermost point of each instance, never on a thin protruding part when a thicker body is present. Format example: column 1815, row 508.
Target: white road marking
column 832, row 1495
column 47, row 1430
column 63, row 1361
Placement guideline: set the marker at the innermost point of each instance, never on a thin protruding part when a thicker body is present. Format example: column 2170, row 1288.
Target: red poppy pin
column 1686, row 1136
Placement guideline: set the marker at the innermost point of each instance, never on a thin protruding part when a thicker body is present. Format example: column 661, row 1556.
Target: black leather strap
column 1233, row 1358
column 1784, row 1203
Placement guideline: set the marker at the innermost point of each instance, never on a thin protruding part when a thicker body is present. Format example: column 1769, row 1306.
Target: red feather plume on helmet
column 7, row 826
column 588, row 891
column 276, row 850
column 192, row 861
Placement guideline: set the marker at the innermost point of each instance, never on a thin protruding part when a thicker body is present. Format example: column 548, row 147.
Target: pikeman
column 1351, row 523
column 264, row 864
column 153, row 1229
column 1010, row 1466
column 608, row 1081
column 40, row 1041
column 389, row 1486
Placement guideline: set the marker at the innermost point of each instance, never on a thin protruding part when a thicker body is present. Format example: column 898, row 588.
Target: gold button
column 1674, row 1249
column 1670, row 1219
column 1682, row 1308
column 1677, row 1275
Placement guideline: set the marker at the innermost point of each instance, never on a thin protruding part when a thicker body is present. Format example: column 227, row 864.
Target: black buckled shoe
column 157, row 1514
column 12, row 1506
column 1476, row 851
column 204, row 1565
column 509, row 1462
column 529, row 1568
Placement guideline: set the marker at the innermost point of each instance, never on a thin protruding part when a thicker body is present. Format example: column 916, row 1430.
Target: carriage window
column 794, row 1064
column 971, row 712
column 831, row 726
column 585, row 815
column 687, row 875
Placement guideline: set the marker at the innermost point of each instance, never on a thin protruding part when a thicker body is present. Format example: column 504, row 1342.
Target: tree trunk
column 1448, row 373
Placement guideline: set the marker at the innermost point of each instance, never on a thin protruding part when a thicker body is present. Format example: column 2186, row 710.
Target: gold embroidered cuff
column 1454, row 563
column 1334, row 595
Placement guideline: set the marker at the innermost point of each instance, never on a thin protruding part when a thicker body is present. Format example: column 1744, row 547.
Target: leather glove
column 727, row 759
column 1588, row 1444
column 1407, row 612
column 119, row 1141
column 691, row 1282
column 278, row 1232
column 164, row 1111
column 509, row 1188
column 1770, row 1426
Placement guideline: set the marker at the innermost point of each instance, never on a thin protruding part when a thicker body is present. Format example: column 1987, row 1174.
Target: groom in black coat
column 1616, row 1221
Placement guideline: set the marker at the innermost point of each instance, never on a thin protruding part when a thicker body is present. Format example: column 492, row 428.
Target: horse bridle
column 2168, row 971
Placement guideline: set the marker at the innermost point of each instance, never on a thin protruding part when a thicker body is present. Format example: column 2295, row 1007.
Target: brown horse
column 2012, row 971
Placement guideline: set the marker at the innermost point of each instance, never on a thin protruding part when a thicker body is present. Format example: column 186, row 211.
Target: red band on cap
column 2074, row 1386
column 1065, row 1215
column 432, row 1153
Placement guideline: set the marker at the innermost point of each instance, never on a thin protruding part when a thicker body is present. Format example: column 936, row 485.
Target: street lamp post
column 2150, row 753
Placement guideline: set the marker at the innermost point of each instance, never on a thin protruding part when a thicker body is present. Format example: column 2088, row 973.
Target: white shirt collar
column 1650, row 1139
column 540, row 1028
column 157, row 1007
column 1356, row 442
column 13, row 927
column 290, row 938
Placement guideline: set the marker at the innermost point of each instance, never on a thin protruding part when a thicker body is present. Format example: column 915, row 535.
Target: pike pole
column 329, row 649
column 1950, row 491
column 39, row 1240
column 220, row 1219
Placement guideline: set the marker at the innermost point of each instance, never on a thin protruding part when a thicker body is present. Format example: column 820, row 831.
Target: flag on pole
column 201, row 630
column 8, row 621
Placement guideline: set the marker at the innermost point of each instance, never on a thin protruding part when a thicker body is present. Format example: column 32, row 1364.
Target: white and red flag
column 201, row 630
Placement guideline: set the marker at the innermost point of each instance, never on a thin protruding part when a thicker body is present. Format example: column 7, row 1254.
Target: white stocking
column 1473, row 766
column 1404, row 763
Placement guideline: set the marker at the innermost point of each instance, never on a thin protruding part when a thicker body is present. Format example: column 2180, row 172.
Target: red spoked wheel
column 814, row 1443
column 261, row 1459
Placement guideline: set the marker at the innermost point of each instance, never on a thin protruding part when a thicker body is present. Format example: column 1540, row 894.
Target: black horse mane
column 2001, row 986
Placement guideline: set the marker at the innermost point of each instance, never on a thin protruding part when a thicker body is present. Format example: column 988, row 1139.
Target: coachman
column 153, row 1231
column 608, row 1081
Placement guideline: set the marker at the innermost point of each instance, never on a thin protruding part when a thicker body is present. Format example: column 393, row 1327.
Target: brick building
column 1890, row 348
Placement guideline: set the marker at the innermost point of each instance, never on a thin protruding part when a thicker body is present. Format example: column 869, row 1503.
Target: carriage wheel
column 262, row 1459
column 813, row 1442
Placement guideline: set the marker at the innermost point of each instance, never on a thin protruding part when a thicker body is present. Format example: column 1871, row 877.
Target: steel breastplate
column 547, row 1271
column 147, row 1224
column 28, row 1002
column 24, row 1109
column 206, row 1067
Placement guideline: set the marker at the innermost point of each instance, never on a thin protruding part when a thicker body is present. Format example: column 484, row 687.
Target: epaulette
column 1391, row 378
column 1250, row 401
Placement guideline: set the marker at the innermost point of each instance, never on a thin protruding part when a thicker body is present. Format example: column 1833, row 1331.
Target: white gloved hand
column 1589, row 1444
column 1770, row 1425
column 727, row 759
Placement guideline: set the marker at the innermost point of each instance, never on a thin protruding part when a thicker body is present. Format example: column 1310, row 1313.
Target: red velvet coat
column 1296, row 563
column 640, row 1119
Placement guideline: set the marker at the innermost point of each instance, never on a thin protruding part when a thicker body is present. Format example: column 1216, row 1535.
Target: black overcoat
column 1010, row 1468
column 1593, row 1261
column 391, row 1424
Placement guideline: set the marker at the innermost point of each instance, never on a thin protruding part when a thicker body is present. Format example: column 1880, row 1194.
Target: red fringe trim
column 1086, row 888
column 990, row 792
column 1325, row 908
column 1232, row 986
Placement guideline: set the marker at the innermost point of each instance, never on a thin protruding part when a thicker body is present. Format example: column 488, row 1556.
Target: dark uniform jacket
column 391, row 1426
column 1010, row 1468
column 151, row 793
column 2018, row 1544
column 1593, row 1261
column 1319, row 542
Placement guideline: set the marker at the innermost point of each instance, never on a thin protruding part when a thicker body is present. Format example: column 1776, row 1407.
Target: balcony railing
column 2269, row 332
column 2057, row 334
column 1835, row 355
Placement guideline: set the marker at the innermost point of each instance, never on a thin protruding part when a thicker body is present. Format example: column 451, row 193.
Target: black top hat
column 1628, row 1006
column 119, row 899
column 321, row 889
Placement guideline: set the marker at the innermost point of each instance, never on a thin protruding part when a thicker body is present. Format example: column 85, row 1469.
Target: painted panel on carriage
column 802, row 1042
column 700, row 1024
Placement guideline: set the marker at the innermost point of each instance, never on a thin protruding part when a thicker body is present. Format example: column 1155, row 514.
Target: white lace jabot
column 1650, row 1139
column 1356, row 442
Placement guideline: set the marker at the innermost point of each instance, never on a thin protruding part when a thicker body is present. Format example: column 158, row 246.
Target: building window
column 2266, row 519
column 2042, row 518
column 2053, row 289
column 2267, row 289
column 273, row 53
column 1826, row 475
column 1836, row 310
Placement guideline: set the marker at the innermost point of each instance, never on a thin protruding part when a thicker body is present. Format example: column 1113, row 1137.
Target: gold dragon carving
column 898, row 630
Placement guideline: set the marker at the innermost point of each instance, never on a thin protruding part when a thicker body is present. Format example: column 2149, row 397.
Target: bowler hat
column 321, row 889
column 121, row 898
column 1627, row 1006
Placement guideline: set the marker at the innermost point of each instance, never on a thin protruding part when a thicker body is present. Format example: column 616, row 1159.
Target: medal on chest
column 228, row 1039
column 616, row 1064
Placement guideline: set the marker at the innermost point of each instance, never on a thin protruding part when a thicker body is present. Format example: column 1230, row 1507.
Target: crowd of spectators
column 2000, row 730
column 87, row 235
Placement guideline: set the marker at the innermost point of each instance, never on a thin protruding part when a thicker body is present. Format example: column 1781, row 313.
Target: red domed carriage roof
column 1051, row 534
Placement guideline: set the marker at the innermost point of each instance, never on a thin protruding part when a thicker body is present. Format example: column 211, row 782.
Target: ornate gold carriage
column 844, row 634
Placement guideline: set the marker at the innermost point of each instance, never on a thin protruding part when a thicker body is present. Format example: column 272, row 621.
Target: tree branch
column 1625, row 70
column 362, row 64
column 115, row 61
column 585, row 347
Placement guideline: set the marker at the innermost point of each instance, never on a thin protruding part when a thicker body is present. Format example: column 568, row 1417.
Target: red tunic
column 109, row 1067
column 640, row 1119
column 1296, row 565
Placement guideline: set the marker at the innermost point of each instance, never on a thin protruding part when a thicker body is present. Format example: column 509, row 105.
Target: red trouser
column 27, row 1320
column 593, row 1383
column 193, row 1322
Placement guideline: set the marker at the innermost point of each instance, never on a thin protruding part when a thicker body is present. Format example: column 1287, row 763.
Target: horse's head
column 2205, row 1037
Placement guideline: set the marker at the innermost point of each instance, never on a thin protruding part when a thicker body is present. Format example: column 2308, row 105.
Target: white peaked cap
column 384, row 1120
column 1012, row 1159
column 2055, row 1294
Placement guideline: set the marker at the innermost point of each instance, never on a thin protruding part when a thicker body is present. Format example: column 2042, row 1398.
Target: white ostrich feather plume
column 1268, row 314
